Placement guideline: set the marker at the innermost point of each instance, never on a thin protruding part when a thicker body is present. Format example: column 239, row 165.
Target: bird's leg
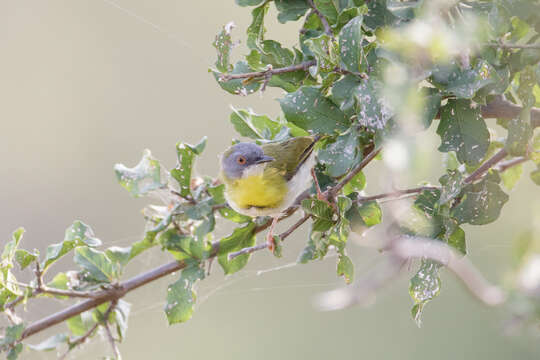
column 320, row 195
column 270, row 235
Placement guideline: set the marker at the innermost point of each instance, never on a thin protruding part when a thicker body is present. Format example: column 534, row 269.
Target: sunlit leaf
column 181, row 295
column 50, row 343
column 345, row 268
column 97, row 265
column 240, row 238
column 424, row 286
column 142, row 179
column 185, row 157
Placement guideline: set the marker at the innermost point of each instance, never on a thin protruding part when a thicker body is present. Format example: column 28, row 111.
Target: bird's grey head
column 240, row 157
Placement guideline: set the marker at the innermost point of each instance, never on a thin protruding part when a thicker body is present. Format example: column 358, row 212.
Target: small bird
column 266, row 180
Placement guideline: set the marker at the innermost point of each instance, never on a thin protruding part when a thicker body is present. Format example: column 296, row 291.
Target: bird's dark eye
column 241, row 160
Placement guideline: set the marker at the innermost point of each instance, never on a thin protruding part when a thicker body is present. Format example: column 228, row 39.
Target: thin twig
column 80, row 340
column 112, row 341
column 268, row 72
column 395, row 194
column 484, row 168
column 263, row 246
column 505, row 165
column 337, row 188
column 326, row 25
column 68, row 293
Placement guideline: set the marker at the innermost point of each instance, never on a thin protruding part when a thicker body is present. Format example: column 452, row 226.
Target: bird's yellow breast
column 264, row 191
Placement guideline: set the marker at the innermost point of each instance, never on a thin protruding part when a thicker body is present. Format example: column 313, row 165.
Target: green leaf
column 11, row 247
column 77, row 234
column 519, row 134
column 96, row 264
column 341, row 155
column 248, row 2
column 240, row 238
column 329, row 9
column 535, row 176
column 350, row 45
column 80, row 324
column 424, row 286
column 14, row 352
column 185, row 157
column 256, row 30
column 223, row 44
column 511, row 176
column 25, row 258
column 60, row 281
column 463, row 130
column 181, row 296
column 499, row 20
column 432, row 103
column 378, row 15
column 345, row 268
column 457, row 240
column 121, row 315
column 238, row 86
column 325, row 50
column 217, row 193
column 233, row 216
column 361, row 98
column 50, row 343
column 12, row 334
column 357, row 184
column 290, row 10
column 370, row 212
column 308, row 109
column 464, row 83
column 527, row 81
column 318, row 208
column 81, row 234
column 481, row 203
column 451, row 186
column 254, row 126
column 119, row 255
column 142, row 179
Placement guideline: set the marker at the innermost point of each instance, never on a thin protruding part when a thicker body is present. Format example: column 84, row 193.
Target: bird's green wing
column 289, row 155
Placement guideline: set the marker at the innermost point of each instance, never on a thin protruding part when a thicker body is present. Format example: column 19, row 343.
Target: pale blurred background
column 86, row 84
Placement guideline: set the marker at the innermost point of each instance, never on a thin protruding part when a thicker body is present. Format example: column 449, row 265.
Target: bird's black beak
column 264, row 159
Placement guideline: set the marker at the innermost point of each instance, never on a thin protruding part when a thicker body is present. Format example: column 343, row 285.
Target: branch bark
column 269, row 72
